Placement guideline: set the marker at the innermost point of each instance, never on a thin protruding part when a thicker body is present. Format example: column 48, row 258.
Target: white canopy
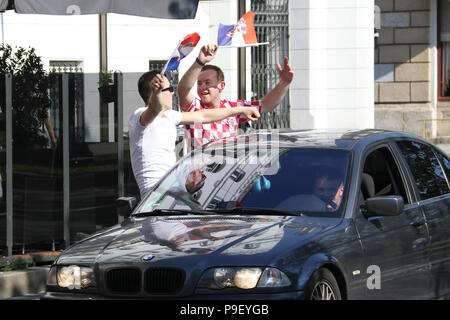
column 168, row 9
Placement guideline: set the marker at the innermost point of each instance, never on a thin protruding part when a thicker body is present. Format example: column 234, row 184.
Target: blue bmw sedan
column 278, row 215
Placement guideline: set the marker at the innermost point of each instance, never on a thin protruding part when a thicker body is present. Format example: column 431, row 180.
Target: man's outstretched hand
column 251, row 113
column 286, row 74
column 207, row 53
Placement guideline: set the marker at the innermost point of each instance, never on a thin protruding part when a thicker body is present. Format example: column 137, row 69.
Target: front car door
column 431, row 170
column 394, row 246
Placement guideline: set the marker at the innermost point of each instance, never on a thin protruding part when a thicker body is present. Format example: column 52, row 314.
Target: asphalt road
column 28, row 297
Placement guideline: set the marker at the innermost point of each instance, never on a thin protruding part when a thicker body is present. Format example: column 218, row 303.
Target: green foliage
column 30, row 99
column 15, row 266
column 105, row 78
column 106, row 86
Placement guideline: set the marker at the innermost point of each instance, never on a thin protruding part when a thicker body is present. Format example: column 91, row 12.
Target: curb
column 19, row 283
column 31, row 280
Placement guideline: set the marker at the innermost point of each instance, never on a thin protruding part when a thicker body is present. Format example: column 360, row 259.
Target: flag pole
column 167, row 63
column 246, row 45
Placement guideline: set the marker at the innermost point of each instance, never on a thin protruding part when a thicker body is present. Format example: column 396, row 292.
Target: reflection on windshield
column 299, row 180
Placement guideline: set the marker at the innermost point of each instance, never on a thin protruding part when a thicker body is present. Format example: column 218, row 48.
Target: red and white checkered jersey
column 199, row 134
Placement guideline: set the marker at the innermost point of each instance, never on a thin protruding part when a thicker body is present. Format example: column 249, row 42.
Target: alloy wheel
column 323, row 291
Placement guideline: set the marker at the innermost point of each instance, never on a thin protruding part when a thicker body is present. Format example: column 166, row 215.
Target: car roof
column 316, row 138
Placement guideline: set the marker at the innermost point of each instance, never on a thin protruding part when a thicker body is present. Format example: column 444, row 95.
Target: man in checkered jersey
column 210, row 84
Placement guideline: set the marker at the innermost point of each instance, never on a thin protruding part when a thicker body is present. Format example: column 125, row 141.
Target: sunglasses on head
column 170, row 89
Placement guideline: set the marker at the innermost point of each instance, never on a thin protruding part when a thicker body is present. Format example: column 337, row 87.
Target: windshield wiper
column 171, row 212
column 253, row 211
column 238, row 210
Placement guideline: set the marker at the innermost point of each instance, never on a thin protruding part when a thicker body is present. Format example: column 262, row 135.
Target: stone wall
column 443, row 126
column 402, row 66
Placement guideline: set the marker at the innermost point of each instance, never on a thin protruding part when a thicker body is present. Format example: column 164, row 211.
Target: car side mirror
column 383, row 206
column 125, row 206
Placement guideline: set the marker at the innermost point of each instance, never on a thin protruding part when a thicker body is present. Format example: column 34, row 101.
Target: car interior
column 292, row 185
column 381, row 176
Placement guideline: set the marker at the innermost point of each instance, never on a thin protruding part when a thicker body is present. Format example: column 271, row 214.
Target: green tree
column 30, row 99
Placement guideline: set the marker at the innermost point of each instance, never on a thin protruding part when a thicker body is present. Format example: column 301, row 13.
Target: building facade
column 412, row 67
column 331, row 49
column 52, row 197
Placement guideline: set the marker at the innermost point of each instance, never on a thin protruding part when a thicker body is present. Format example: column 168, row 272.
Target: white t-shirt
column 158, row 228
column 152, row 147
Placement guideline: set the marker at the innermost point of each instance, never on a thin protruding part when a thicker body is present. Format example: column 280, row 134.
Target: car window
column 445, row 162
column 290, row 179
column 381, row 176
column 425, row 168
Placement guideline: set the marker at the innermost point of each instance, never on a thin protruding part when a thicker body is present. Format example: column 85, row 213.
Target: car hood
column 169, row 239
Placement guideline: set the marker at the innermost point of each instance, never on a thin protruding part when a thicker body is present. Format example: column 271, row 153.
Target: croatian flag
column 241, row 34
column 184, row 47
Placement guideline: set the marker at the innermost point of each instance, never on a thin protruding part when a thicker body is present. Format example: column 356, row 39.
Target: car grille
column 157, row 281
column 163, row 281
column 123, row 280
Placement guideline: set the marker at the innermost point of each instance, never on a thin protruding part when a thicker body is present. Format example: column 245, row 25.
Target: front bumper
column 293, row 295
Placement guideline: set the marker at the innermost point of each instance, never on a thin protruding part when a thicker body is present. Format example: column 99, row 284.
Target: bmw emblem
column 147, row 257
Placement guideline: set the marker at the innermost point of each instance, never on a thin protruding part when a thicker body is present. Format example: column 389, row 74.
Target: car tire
column 322, row 286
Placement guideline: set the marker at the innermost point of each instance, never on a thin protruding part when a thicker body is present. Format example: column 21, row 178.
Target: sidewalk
column 19, row 283
column 28, row 281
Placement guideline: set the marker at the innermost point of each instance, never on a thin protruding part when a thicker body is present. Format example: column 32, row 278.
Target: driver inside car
column 325, row 195
column 329, row 189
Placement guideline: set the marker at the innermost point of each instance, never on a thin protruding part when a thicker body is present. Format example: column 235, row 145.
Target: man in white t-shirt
column 152, row 129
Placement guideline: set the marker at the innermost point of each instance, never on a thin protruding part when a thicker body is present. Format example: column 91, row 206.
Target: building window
column 444, row 49
column 76, row 98
column 66, row 66
column 271, row 25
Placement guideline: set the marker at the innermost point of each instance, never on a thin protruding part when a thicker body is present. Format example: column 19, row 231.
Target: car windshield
column 298, row 181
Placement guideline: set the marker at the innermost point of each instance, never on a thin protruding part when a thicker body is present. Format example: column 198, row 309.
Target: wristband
column 199, row 62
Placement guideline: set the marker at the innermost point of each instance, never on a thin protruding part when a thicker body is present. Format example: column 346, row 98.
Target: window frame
column 436, row 152
column 398, row 161
column 412, row 180
column 66, row 66
column 439, row 57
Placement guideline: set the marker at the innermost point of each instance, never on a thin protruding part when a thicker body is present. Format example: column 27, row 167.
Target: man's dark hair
column 144, row 84
column 327, row 173
column 220, row 75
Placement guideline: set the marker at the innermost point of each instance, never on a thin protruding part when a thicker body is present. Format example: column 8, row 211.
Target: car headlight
column 247, row 278
column 272, row 278
column 72, row 277
column 51, row 278
column 224, row 277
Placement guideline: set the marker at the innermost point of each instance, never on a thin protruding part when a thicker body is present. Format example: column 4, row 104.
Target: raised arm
column 155, row 103
column 337, row 198
column 276, row 95
column 217, row 114
column 189, row 79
